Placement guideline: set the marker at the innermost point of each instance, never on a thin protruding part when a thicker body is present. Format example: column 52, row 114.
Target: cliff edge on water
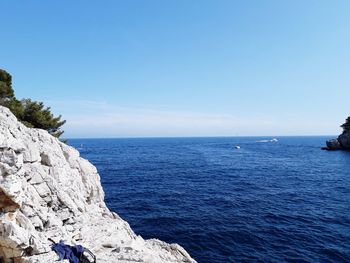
column 343, row 140
column 48, row 191
column 341, row 143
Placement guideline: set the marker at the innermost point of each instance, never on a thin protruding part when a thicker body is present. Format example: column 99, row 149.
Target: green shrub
column 31, row 113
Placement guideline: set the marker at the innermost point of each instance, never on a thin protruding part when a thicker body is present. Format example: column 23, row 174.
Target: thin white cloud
column 87, row 118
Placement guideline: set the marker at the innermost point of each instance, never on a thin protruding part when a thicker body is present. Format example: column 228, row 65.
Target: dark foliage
column 6, row 91
column 32, row 113
column 346, row 125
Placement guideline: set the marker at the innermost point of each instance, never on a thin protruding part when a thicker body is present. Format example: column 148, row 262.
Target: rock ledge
column 341, row 143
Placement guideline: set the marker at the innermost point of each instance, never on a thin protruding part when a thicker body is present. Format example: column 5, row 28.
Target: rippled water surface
column 284, row 201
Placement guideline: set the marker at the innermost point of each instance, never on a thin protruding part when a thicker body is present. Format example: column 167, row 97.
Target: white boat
column 237, row 147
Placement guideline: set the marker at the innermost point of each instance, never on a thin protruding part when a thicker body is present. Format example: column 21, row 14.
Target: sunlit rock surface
column 48, row 191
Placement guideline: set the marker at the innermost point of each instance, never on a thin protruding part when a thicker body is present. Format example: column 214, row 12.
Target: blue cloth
column 72, row 253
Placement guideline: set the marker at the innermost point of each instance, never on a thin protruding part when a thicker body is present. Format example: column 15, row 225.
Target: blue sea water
column 285, row 201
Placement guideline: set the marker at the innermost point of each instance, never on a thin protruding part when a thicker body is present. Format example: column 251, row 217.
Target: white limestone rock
column 48, row 191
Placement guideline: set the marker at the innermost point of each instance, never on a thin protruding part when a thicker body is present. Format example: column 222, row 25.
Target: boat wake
column 272, row 140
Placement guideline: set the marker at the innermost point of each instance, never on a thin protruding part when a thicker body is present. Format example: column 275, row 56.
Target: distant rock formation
column 48, row 191
column 343, row 140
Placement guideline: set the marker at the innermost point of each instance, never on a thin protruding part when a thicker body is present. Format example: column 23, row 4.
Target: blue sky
column 182, row 68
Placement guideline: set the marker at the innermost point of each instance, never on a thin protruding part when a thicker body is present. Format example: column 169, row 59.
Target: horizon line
column 179, row 137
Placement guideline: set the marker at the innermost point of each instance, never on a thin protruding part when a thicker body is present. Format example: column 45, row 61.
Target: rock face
column 341, row 143
column 48, row 191
column 344, row 140
column 333, row 145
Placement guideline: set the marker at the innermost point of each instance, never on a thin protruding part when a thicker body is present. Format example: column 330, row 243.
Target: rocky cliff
column 48, row 191
column 341, row 143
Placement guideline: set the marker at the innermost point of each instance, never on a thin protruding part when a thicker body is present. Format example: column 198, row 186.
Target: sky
column 140, row 68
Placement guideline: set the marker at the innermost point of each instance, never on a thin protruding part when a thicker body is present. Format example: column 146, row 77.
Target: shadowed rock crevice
column 7, row 204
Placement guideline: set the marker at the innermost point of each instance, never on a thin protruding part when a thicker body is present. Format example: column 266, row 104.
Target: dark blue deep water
column 286, row 201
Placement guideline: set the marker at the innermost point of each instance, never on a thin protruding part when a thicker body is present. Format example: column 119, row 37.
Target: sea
column 282, row 200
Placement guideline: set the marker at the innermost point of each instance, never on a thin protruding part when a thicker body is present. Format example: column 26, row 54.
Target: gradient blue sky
column 182, row 68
